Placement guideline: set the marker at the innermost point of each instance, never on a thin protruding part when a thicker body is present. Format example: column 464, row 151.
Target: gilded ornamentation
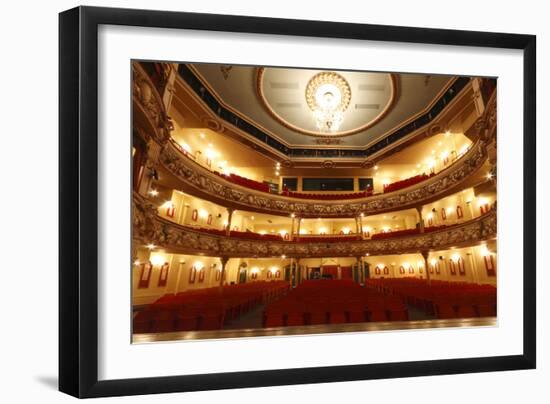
column 323, row 79
column 328, row 141
column 151, row 229
column 222, row 191
column 147, row 97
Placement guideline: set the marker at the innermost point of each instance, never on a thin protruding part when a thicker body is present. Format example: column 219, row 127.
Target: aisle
column 252, row 319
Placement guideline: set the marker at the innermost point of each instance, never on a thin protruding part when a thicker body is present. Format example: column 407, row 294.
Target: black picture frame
column 78, row 206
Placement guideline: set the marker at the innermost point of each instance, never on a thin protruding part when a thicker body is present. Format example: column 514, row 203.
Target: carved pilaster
column 149, row 102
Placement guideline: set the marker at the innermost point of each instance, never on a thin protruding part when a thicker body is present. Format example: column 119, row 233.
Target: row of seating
column 240, row 234
column 327, row 239
column 327, row 197
column 405, row 232
column 332, row 302
column 245, row 182
column 206, row 309
column 317, row 238
column 264, row 187
column 395, row 186
column 441, row 298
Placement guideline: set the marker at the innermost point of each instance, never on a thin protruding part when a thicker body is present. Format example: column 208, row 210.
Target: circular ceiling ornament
column 326, row 104
column 328, row 90
column 328, row 95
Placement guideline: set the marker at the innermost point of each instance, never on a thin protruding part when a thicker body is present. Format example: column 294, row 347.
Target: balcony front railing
column 150, row 229
column 199, row 181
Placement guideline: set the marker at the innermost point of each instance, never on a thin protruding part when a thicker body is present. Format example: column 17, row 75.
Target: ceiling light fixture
column 328, row 95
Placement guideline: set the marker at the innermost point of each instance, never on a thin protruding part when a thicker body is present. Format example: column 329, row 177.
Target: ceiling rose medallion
column 319, row 103
column 328, row 95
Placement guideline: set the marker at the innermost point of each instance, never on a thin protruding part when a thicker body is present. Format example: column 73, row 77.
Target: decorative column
column 150, row 171
column 224, row 261
column 477, row 97
column 292, row 227
column 229, row 217
column 298, row 269
column 292, row 273
column 171, row 72
column 473, row 266
column 470, row 210
column 181, row 264
column 361, row 226
column 298, row 228
column 359, row 268
column 357, row 226
column 420, row 219
column 425, row 255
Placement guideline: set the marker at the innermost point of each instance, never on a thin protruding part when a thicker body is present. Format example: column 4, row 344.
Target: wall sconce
column 157, row 260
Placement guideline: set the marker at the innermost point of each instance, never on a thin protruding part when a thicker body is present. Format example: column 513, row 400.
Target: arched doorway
column 242, row 274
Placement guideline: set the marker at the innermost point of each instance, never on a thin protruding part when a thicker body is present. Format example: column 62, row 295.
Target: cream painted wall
column 466, row 199
column 435, row 153
column 393, row 263
column 178, row 279
column 180, row 267
column 184, row 206
column 372, row 224
column 474, row 264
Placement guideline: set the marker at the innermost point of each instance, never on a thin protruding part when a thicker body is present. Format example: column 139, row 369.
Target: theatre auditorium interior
column 280, row 201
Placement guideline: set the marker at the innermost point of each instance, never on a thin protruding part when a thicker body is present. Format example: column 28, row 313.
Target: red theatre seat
column 318, row 316
column 395, row 186
column 295, row 318
column 274, row 319
column 377, row 314
column 486, row 310
column 445, row 311
column 142, row 322
column 163, row 321
column 466, row 311
column 337, row 316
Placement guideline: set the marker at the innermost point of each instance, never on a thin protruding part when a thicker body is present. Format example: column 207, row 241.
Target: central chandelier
column 328, row 95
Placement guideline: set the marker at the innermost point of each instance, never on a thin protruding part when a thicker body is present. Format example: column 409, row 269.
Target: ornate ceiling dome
column 325, row 103
column 328, row 96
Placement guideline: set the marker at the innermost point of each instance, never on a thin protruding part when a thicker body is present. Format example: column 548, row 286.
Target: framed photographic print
column 336, row 158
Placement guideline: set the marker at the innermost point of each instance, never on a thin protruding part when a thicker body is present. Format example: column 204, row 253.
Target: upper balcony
column 181, row 172
column 185, row 174
column 149, row 228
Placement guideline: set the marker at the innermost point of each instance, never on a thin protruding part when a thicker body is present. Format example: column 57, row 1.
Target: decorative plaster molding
column 199, row 180
column 149, row 228
column 148, row 100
